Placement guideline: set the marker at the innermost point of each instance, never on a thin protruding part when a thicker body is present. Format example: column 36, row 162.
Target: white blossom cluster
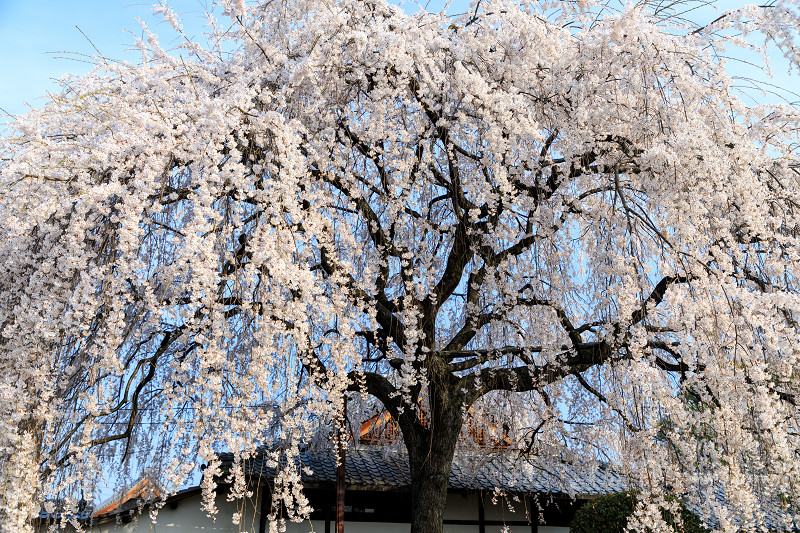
column 557, row 213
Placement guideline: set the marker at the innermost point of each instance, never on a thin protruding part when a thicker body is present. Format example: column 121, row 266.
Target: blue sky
column 40, row 40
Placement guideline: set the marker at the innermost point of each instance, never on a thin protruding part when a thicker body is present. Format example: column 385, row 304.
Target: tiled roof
column 766, row 513
column 83, row 512
column 375, row 466
column 145, row 489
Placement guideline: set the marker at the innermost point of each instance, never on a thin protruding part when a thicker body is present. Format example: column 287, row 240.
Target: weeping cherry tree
column 563, row 215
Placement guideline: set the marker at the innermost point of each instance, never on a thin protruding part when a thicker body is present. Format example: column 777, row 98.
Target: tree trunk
column 429, row 492
column 430, row 460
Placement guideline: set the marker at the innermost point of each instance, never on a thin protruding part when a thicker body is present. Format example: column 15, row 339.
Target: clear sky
column 40, row 40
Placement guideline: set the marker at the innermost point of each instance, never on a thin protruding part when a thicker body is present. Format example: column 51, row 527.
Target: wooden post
column 266, row 500
column 533, row 514
column 341, row 445
column 481, row 514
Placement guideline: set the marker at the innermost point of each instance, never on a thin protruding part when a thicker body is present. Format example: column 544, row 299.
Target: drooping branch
column 533, row 377
column 367, row 151
column 602, row 399
column 378, row 386
column 579, row 357
column 151, row 364
column 468, row 332
column 385, row 316
column 656, row 297
column 460, row 255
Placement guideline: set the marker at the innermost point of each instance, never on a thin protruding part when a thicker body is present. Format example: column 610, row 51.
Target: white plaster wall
column 525, row 529
column 187, row 517
column 383, row 527
column 374, row 527
column 461, row 508
column 315, row 526
column 454, row 528
column 318, row 526
column 504, row 509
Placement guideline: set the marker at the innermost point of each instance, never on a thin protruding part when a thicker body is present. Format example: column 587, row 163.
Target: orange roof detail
column 144, row 489
column 382, row 428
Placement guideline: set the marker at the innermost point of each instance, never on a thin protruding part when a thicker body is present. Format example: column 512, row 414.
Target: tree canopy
column 562, row 215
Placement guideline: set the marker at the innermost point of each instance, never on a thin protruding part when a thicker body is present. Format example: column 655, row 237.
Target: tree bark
column 430, row 453
column 429, row 475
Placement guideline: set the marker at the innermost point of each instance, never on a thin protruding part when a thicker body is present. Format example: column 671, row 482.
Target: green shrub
column 609, row 514
column 605, row 514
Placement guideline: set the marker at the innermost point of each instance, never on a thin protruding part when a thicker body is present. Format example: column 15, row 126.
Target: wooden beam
column 341, row 445
column 264, row 507
column 481, row 514
column 533, row 513
column 328, row 515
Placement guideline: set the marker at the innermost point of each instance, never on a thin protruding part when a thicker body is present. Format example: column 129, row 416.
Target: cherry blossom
column 561, row 215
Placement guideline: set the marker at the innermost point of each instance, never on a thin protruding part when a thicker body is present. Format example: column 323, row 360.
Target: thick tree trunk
column 429, row 475
column 430, row 454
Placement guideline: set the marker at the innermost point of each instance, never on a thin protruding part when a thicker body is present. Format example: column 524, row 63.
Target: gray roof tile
column 478, row 470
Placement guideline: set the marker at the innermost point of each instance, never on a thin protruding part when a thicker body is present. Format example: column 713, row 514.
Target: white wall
column 461, row 507
column 318, row 526
column 383, row 527
column 187, row 517
column 521, row 529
